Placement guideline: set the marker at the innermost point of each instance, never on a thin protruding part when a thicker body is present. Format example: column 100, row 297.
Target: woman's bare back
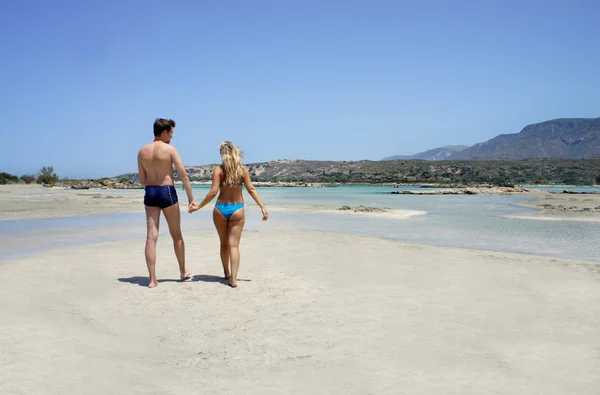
column 229, row 194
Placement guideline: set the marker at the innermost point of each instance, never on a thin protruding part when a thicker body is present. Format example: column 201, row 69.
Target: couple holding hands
column 155, row 168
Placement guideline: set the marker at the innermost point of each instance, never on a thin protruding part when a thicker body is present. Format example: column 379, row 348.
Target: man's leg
column 152, row 222
column 173, row 216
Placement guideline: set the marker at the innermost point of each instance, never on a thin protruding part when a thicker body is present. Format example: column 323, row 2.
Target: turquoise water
column 468, row 221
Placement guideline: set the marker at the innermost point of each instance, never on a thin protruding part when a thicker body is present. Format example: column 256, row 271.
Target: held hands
column 193, row 207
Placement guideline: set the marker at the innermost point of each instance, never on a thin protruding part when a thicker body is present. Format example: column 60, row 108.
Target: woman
column 228, row 215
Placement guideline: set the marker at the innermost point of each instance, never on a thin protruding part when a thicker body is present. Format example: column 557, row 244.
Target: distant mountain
column 440, row 153
column 567, row 138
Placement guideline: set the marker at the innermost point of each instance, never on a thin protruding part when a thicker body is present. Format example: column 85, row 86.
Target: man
column 155, row 166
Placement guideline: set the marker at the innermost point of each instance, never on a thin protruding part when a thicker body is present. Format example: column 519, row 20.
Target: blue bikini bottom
column 227, row 209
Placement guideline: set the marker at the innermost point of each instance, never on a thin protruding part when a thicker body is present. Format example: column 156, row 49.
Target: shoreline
column 26, row 202
column 592, row 265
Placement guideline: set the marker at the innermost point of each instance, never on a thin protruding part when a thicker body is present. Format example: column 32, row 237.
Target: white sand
column 315, row 313
column 385, row 212
column 18, row 202
column 545, row 216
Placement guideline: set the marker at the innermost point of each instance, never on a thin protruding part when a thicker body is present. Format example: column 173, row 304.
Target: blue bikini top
column 223, row 185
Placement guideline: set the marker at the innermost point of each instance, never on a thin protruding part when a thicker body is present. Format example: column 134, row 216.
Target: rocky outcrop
column 363, row 209
column 560, row 207
column 103, row 183
column 436, row 192
column 579, row 193
column 291, row 184
column 466, row 191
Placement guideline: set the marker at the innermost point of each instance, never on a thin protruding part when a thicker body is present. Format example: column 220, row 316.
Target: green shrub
column 7, row 178
column 28, row 178
column 47, row 176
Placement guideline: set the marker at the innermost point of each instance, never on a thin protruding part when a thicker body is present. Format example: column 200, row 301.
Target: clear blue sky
column 83, row 81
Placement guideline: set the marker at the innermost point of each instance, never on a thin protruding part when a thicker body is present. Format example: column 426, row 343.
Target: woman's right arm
column 252, row 191
column 214, row 189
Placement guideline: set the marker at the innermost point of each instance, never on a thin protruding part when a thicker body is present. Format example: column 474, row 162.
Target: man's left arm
column 183, row 176
column 141, row 171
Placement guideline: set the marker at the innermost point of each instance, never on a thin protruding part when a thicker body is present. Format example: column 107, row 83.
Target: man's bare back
column 157, row 159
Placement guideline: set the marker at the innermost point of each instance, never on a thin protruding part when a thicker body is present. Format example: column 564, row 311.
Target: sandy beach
column 315, row 313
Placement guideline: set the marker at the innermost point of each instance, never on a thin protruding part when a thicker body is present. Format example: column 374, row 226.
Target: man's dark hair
column 161, row 125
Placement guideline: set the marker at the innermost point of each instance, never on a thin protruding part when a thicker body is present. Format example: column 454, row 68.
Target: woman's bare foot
column 232, row 283
column 227, row 275
column 153, row 284
column 186, row 275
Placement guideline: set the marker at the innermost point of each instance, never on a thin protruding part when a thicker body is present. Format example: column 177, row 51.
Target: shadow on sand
column 207, row 278
column 143, row 281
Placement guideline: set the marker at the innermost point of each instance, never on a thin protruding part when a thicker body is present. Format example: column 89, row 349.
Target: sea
column 465, row 221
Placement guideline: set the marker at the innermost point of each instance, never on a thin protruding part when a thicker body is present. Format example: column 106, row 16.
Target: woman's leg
column 236, row 225
column 223, row 231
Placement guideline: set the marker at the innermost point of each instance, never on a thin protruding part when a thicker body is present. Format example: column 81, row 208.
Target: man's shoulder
column 147, row 146
column 168, row 147
column 144, row 148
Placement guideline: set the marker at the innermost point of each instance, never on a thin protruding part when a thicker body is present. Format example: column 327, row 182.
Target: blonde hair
column 231, row 157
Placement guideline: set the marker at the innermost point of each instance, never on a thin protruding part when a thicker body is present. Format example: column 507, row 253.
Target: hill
column 440, row 153
column 567, row 138
column 498, row 172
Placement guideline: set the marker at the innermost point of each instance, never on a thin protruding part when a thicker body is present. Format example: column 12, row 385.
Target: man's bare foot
column 153, row 284
column 232, row 283
column 186, row 275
